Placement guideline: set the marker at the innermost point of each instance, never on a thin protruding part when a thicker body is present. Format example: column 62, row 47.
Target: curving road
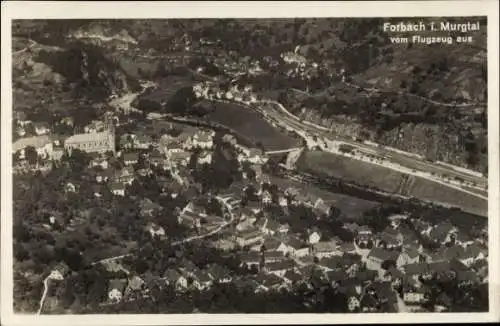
column 205, row 235
column 189, row 239
column 44, row 294
column 378, row 90
column 32, row 43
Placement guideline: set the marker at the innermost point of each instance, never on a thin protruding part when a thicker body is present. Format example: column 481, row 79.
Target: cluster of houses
column 369, row 270
column 98, row 137
column 394, row 256
column 185, row 276
column 243, row 65
column 211, row 91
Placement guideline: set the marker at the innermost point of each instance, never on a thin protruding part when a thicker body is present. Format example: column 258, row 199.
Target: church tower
column 110, row 130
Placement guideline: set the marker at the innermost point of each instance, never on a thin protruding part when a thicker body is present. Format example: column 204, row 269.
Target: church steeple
column 110, row 129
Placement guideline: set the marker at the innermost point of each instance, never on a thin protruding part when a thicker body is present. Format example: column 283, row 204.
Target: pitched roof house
column 130, row 158
column 296, row 247
column 251, row 258
column 117, row 188
column 268, row 282
column 279, row 268
column 331, row 263
column 408, row 256
column 59, row 271
column 272, row 256
column 219, row 273
column 378, row 255
column 176, row 279
column 202, row 280
column 292, row 277
column 135, row 285
column 325, row 249
column 443, row 232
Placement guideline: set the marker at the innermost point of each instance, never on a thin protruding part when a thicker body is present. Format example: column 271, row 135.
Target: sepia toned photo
column 274, row 165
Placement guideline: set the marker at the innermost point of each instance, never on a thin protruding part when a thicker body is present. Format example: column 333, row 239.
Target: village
column 373, row 269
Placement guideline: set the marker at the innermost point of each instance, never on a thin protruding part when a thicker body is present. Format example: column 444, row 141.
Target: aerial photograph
column 250, row 166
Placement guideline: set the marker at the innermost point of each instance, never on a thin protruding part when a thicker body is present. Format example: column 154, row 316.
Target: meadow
column 388, row 180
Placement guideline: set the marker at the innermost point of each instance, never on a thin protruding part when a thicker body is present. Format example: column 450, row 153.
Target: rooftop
column 325, row 246
column 117, row 186
column 295, row 243
column 118, row 284
column 292, row 276
column 281, row 265
column 172, row 275
column 273, row 255
column 333, row 262
column 88, row 137
column 383, row 254
column 416, row 269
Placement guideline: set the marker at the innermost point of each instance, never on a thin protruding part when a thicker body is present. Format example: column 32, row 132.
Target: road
column 222, row 226
column 186, row 240
column 32, row 43
column 44, row 294
column 423, row 98
column 281, row 151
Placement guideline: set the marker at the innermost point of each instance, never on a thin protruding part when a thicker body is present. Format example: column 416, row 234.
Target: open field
column 250, row 124
column 389, row 180
column 350, row 169
column 351, row 207
column 428, row 190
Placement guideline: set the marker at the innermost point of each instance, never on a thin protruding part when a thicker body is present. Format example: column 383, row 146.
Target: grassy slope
column 351, row 207
column 388, row 180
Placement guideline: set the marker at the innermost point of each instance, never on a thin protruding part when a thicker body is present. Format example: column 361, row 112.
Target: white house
column 156, row 230
column 118, row 188
column 41, row 128
column 70, row 187
column 353, row 303
column 413, row 296
column 219, row 274
column 202, row 280
column 59, row 271
column 249, row 238
column 325, row 249
column 205, row 158
column 266, row 198
column 21, row 131
column 203, row 139
column 115, row 289
column 314, row 237
column 282, row 201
